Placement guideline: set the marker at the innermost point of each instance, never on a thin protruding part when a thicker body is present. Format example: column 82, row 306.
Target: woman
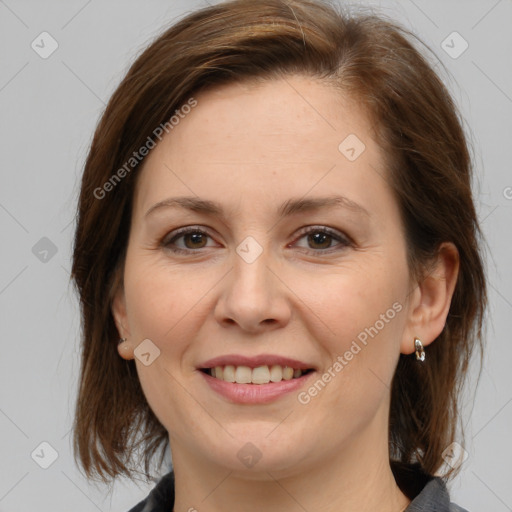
column 277, row 255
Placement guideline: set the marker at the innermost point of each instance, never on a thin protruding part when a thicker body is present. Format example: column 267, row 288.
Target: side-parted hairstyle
column 366, row 57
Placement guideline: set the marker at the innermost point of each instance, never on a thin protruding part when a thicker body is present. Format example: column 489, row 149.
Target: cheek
column 345, row 303
column 160, row 299
column 160, row 306
column 358, row 323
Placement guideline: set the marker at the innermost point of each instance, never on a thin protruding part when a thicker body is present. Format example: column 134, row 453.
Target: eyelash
column 343, row 240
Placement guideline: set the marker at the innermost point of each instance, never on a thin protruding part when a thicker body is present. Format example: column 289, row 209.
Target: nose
column 253, row 296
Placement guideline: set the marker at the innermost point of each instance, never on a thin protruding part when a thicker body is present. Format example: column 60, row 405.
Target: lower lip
column 255, row 393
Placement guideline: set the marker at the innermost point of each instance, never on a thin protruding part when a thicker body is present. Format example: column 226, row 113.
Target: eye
column 193, row 238
column 321, row 238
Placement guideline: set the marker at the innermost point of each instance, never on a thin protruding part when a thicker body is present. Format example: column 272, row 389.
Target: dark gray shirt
column 428, row 494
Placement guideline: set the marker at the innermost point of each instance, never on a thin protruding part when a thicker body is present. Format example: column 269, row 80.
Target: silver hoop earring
column 420, row 353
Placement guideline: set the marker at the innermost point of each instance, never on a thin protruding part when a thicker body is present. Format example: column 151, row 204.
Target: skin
column 251, row 148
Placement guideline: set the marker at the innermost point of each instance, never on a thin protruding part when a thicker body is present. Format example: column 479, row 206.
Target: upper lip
column 255, row 361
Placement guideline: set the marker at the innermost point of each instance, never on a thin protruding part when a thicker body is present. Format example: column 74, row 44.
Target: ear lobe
column 118, row 308
column 431, row 300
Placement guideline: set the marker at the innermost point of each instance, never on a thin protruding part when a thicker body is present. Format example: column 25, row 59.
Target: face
column 273, row 278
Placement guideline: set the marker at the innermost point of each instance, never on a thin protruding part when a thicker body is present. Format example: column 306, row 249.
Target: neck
column 356, row 478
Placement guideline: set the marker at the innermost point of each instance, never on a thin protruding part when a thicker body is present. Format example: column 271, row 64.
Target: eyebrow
column 288, row 208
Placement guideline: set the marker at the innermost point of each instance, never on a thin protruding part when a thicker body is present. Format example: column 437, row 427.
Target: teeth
column 243, row 375
column 229, row 374
column 275, row 373
column 259, row 375
column 218, row 372
column 287, row 373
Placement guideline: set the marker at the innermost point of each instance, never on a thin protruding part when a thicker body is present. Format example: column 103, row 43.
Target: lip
column 255, row 393
column 255, row 361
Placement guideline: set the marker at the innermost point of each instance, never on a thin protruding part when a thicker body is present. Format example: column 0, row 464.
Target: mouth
column 259, row 375
column 259, row 379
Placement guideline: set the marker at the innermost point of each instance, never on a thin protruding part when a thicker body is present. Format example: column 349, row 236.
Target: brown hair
column 367, row 57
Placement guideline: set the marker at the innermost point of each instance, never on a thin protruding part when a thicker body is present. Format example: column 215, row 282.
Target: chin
column 253, row 453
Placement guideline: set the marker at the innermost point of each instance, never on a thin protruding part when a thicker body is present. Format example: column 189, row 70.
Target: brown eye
column 193, row 238
column 196, row 240
column 322, row 239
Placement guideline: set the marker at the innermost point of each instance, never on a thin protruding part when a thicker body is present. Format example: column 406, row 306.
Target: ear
column 430, row 301
column 119, row 313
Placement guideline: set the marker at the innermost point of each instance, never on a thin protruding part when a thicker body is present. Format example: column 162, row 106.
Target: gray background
column 49, row 108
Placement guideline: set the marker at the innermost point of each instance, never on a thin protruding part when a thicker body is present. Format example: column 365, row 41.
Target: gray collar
column 434, row 497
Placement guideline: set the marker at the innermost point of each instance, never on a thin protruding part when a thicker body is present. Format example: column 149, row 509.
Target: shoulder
column 160, row 499
column 456, row 508
column 426, row 492
column 434, row 496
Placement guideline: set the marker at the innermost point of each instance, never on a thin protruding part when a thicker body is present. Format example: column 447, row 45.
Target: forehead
column 299, row 111
column 293, row 132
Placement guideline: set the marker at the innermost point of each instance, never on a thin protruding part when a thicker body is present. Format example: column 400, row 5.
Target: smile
column 257, row 379
column 260, row 375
